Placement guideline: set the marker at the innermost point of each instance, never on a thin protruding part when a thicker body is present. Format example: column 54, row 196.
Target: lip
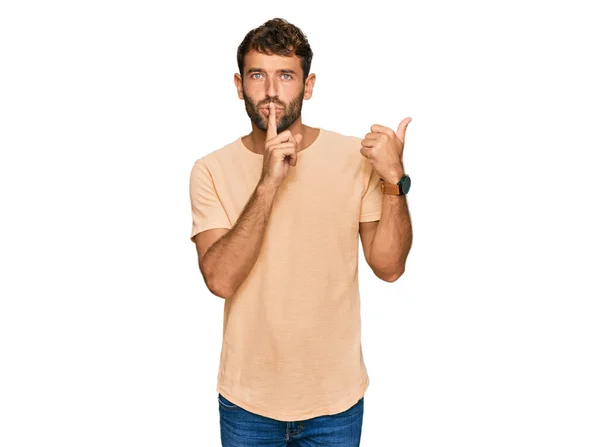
column 265, row 110
column 267, row 107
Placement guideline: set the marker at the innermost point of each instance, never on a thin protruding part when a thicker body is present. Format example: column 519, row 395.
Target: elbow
column 220, row 294
column 215, row 285
column 394, row 276
column 218, row 288
column 219, row 291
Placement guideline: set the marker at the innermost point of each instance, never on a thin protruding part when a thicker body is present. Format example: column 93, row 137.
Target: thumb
column 401, row 131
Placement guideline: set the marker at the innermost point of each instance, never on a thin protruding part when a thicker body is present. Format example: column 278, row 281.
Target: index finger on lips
column 272, row 125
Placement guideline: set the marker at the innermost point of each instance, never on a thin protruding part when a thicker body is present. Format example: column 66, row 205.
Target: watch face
column 406, row 184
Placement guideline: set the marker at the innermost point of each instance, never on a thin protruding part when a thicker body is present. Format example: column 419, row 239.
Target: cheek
column 253, row 94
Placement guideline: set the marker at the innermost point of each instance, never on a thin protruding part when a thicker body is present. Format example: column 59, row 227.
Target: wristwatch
column 399, row 189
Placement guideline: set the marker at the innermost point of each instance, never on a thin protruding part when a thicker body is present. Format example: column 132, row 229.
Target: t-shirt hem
column 344, row 405
column 205, row 227
column 370, row 217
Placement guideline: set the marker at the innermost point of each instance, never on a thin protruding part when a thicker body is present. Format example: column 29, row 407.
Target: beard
column 290, row 113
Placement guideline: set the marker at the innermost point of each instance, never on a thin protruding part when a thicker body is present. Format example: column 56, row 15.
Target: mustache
column 267, row 104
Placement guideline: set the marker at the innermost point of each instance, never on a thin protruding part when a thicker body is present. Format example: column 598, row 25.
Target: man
column 276, row 219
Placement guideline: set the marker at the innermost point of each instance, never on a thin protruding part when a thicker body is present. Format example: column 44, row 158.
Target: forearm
column 229, row 260
column 393, row 238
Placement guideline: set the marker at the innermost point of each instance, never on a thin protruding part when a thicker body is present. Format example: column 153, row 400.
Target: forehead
column 271, row 62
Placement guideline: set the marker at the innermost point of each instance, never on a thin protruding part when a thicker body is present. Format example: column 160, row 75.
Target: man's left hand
column 384, row 149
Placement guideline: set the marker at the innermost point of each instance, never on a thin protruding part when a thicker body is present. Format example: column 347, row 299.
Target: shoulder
column 221, row 156
column 341, row 138
column 346, row 147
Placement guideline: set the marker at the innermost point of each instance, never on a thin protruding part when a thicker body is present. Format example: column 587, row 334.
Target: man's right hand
column 280, row 151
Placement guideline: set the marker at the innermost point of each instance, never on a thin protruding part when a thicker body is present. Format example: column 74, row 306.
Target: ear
column 309, row 85
column 237, row 80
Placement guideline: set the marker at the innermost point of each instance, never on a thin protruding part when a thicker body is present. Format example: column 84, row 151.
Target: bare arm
column 392, row 237
column 387, row 241
column 229, row 260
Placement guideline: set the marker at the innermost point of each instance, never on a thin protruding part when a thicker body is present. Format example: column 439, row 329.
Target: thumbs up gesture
column 384, row 148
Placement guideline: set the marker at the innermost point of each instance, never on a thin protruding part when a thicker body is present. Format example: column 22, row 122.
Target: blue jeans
column 241, row 428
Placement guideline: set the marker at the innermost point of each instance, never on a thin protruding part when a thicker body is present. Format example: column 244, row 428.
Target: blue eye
column 285, row 74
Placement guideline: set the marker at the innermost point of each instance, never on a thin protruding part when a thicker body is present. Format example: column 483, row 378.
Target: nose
column 271, row 88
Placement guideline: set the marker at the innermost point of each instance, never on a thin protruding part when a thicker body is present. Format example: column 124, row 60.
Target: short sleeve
column 207, row 210
column 372, row 197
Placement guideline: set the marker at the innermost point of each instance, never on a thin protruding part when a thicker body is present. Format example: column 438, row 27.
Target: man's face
column 272, row 78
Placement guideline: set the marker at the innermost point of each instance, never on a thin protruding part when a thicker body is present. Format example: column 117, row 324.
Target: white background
column 108, row 335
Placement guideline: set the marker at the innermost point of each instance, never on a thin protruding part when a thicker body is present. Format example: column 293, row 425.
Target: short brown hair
column 276, row 36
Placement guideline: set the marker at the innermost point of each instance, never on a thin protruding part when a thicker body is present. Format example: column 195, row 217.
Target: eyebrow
column 283, row 70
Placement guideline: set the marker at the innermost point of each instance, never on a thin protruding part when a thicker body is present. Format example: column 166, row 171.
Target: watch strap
column 390, row 188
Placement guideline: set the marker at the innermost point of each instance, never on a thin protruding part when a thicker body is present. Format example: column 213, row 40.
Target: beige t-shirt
column 291, row 346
